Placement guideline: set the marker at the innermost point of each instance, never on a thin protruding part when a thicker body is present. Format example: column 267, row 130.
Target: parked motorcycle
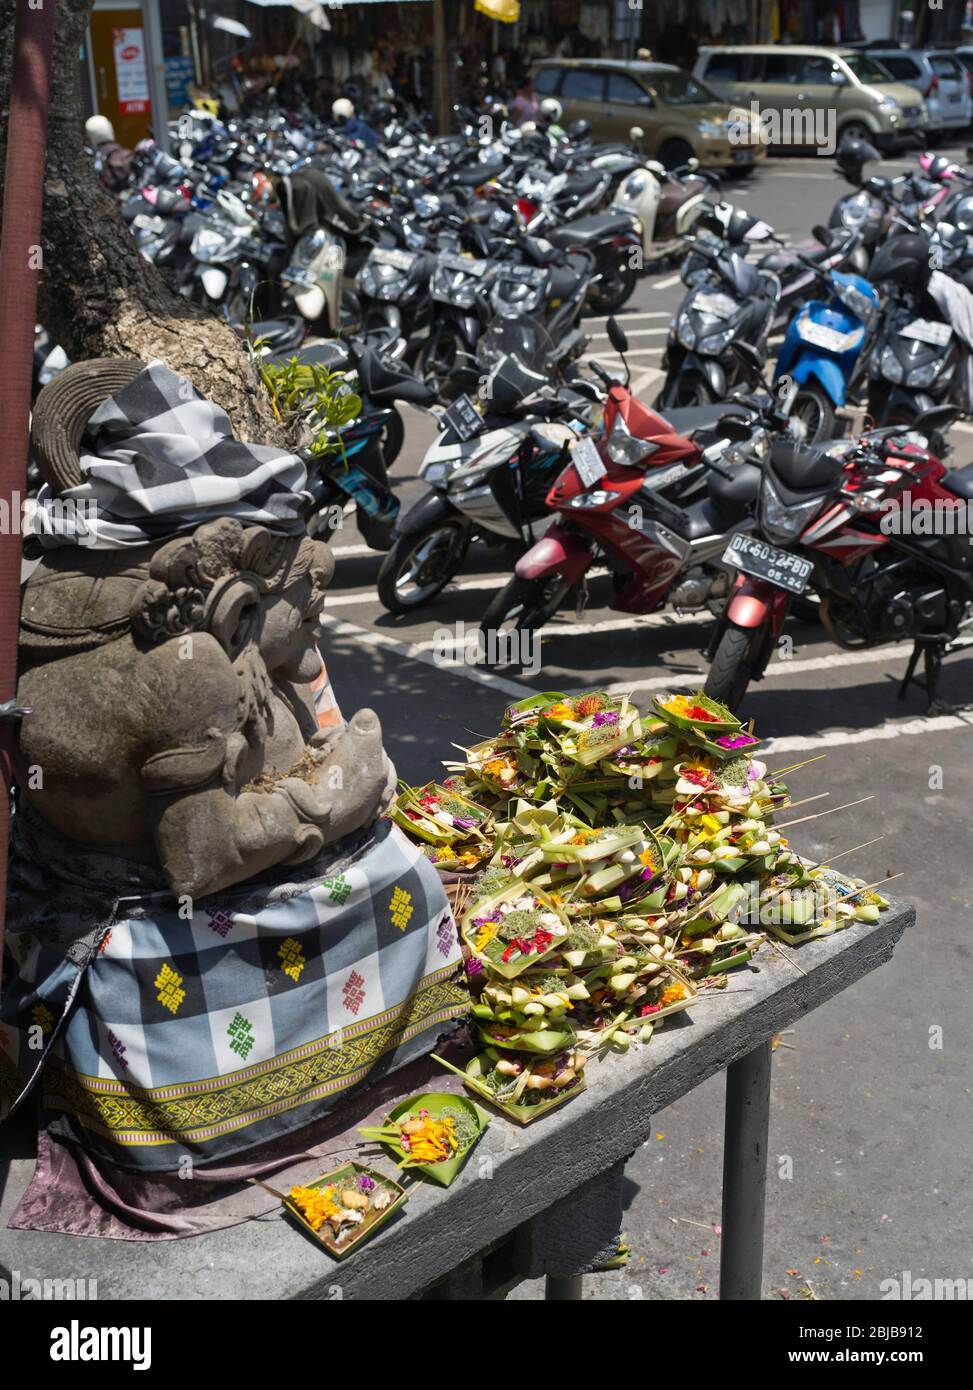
column 822, row 348
column 490, row 469
column 652, row 499
column 837, row 517
column 730, row 301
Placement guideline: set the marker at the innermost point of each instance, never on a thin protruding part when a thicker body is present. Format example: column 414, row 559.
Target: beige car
column 680, row 116
column 817, row 94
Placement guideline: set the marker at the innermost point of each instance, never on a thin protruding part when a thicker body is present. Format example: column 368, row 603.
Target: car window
column 817, row 71
column 967, row 60
column 945, row 67
column 782, row 67
column 623, row 88
column 904, row 69
column 583, row 84
column 728, row 67
column 547, row 81
column 869, row 69
column 677, row 88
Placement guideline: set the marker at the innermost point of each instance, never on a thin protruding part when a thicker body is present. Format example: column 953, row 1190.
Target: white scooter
column 667, row 203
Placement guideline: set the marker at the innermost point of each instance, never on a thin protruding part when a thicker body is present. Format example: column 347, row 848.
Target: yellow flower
column 486, row 934
column 315, row 1204
column 672, row 995
column 647, row 858
column 559, row 711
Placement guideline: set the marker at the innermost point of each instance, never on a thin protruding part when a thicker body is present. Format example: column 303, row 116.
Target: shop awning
column 311, row 9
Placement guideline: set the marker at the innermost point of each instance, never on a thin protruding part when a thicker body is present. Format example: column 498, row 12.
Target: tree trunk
column 98, row 296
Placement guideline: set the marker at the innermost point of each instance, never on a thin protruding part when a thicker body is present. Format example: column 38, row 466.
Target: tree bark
column 98, row 296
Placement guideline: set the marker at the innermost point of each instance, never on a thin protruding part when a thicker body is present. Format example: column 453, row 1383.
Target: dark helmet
column 948, row 247
column 578, row 130
column 903, row 260
column 852, row 153
column 963, row 214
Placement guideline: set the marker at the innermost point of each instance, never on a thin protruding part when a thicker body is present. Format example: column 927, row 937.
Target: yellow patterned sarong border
column 202, row 1110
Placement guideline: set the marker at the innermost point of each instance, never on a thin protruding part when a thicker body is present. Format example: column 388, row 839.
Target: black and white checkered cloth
column 158, row 459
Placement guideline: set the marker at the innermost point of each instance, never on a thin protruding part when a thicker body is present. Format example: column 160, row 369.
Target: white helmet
column 98, row 130
column 342, row 109
column 552, row 109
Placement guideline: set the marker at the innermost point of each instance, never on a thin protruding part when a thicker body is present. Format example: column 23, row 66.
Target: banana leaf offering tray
column 617, row 866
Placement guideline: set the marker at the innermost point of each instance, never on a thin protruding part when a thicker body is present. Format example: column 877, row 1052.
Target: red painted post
column 19, row 266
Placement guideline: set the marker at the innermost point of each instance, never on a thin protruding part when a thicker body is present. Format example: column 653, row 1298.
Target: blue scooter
column 822, row 347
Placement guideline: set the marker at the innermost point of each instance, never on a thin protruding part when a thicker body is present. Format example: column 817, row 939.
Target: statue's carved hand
column 351, row 781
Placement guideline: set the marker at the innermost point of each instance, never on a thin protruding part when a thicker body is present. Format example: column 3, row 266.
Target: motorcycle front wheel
column 522, row 605
column 419, row 566
column 614, row 288
column 438, row 356
column 815, row 412
column 732, row 668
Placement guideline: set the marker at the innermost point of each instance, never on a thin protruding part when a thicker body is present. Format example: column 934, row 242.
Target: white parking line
column 624, row 318
column 353, row 550
column 667, row 282
column 639, row 332
column 892, row 728
column 365, row 637
column 370, row 596
column 833, row 660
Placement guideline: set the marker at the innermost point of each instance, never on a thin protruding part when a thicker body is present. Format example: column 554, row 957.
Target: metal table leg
column 745, row 1174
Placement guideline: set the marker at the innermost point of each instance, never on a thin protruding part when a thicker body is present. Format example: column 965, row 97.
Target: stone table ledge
column 529, row 1168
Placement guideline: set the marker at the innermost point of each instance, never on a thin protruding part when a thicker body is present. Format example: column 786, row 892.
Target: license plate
column 763, row 561
column 402, row 260
column 829, row 338
column 927, row 331
column 529, row 274
column 463, row 419
column 587, row 461
column 464, row 263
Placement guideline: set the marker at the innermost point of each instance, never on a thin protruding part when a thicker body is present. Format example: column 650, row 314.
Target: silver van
column 810, row 89
column 940, row 79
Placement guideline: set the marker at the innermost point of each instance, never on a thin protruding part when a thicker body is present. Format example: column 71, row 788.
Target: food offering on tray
column 343, row 1208
column 634, row 861
column 432, row 1134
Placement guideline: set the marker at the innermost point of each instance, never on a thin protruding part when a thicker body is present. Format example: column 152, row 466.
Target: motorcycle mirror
column 749, row 358
column 636, row 133
column 617, row 336
column 937, row 419
column 822, row 234
column 692, row 164
column 732, row 427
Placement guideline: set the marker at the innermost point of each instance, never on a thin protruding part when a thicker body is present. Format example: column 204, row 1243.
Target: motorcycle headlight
column 685, row 331
column 633, row 187
column 207, row 244
column 924, row 375
column 626, row 448
column 781, row 522
column 860, row 304
column 309, row 246
column 596, row 498
column 716, row 342
column 854, row 210
column 890, row 366
column 437, row 474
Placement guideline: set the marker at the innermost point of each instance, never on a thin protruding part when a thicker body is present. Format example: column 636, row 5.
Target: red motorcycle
column 879, row 527
column 650, row 499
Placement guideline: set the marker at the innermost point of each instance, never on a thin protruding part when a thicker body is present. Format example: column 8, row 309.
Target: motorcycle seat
column 588, row 231
column 782, row 261
column 960, row 481
column 333, row 355
column 804, row 467
column 581, row 183
column 698, row 417
column 474, row 174
column 384, row 384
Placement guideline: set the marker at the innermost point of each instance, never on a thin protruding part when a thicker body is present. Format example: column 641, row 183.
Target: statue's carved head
column 247, row 586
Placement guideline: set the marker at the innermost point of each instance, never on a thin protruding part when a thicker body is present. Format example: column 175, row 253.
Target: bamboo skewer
column 801, row 819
